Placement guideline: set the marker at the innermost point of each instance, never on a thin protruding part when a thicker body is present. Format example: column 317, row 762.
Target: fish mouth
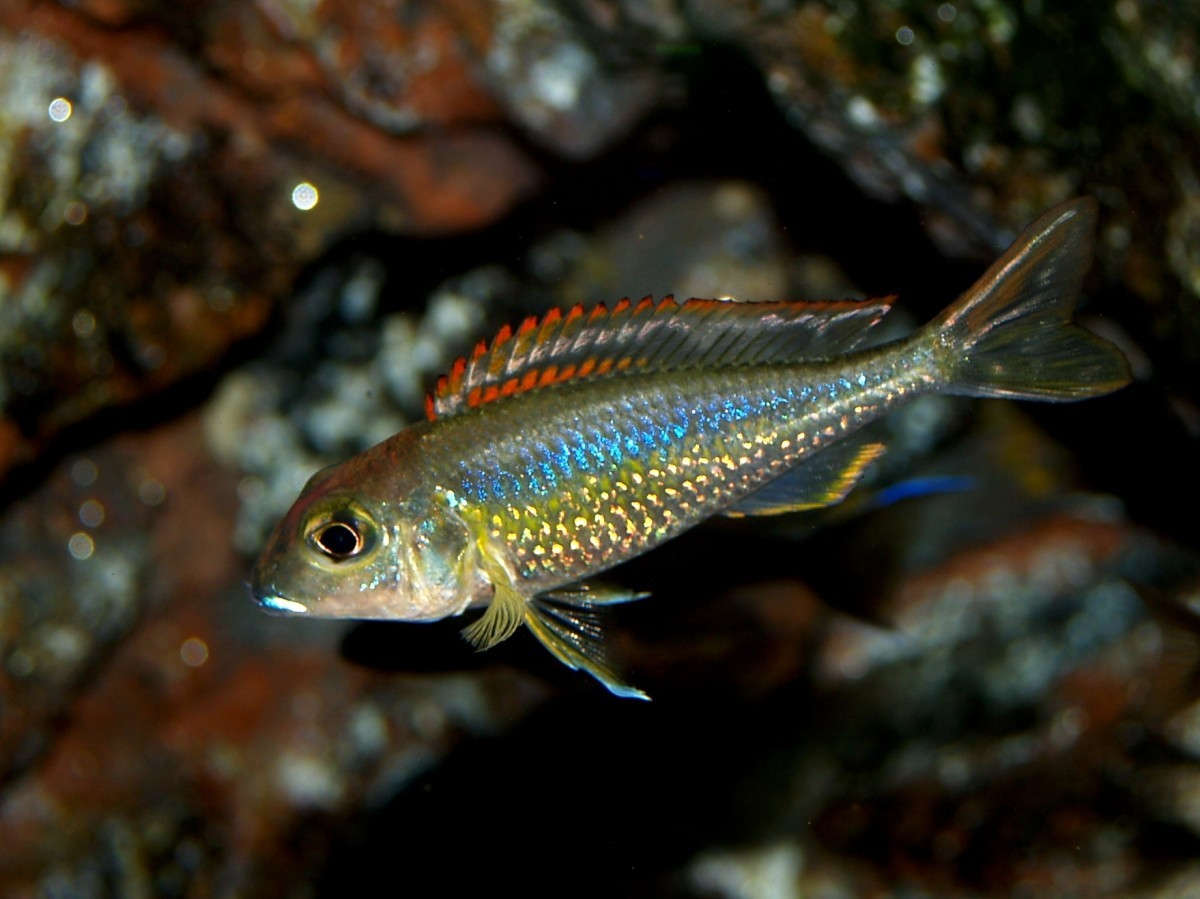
column 280, row 605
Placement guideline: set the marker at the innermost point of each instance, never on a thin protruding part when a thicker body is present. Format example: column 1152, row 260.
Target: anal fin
column 822, row 481
column 567, row 624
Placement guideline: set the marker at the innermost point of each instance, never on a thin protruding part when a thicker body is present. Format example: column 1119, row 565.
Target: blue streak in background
column 916, row 487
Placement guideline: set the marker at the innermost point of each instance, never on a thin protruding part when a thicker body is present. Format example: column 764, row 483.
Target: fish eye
column 338, row 540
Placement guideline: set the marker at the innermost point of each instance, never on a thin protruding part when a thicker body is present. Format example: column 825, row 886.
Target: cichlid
column 583, row 439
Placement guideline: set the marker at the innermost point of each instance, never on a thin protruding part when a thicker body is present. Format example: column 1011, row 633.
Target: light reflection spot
column 151, row 492
column 83, row 323
column 84, row 472
column 60, row 109
column 81, row 546
column 194, row 652
column 75, row 213
column 305, row 196
column 91, row 513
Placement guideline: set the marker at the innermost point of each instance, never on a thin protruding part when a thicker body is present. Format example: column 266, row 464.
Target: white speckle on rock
column 861, row 112
column 308, row 781
column 771, row 872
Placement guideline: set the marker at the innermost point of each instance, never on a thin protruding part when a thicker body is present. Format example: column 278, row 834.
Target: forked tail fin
column 1011, row 334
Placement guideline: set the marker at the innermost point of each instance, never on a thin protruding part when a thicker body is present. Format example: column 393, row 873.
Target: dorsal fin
column 649, row 336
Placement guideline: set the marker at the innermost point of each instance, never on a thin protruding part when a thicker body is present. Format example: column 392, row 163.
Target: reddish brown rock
column 185, row 734
column 153, row 226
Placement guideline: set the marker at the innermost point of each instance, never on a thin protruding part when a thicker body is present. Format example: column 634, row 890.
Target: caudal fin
column 1011, row 334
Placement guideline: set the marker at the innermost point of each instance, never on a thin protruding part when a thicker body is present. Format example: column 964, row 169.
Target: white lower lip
column 279, row 604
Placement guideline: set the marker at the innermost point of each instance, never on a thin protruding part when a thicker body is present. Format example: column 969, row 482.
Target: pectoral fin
column 822, row 481
column 568, row 625
column 565, row 621
column 499, row 620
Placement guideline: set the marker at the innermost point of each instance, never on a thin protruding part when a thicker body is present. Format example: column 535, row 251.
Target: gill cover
column 440, row 558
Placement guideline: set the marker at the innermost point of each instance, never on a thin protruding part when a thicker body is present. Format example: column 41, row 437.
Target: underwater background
column 240, row 241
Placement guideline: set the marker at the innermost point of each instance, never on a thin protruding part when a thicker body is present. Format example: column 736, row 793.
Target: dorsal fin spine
column 647, row 335
column 497, row 361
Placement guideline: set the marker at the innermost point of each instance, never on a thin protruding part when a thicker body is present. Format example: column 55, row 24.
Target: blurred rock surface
column 160, row 735
column 165, row 181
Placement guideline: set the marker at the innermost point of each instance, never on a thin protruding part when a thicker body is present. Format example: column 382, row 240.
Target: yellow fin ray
column 499, row 620
column 821, row 481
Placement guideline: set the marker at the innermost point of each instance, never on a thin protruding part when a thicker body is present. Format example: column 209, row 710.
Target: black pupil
column 338, row 539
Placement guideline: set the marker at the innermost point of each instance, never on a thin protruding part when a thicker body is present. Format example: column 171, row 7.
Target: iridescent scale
column 577, row 478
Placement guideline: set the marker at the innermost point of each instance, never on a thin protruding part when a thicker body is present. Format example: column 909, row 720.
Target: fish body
column 585, row 439
column 593, row 473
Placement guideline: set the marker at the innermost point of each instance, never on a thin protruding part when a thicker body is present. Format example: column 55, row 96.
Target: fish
column 584, row 438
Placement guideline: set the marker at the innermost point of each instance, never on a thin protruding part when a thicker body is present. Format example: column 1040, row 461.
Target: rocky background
column 239, row 240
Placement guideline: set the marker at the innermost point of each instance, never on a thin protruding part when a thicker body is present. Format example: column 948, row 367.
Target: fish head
column 360, row 542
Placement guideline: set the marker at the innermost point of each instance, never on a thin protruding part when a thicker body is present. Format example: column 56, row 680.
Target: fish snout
column 267, row 596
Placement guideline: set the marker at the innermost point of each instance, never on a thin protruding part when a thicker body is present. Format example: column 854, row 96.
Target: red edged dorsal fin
column 648, row 336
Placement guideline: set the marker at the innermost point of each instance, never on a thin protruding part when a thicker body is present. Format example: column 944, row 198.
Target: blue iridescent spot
column 680, row 423
column 595, row 447
column 613, row 449
column 651, row 433
column 485, row 487
column 530, row 468
column 579, row 452
column 561, row 457
column 735, row 411
column 472, row 485
column 505, row 484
